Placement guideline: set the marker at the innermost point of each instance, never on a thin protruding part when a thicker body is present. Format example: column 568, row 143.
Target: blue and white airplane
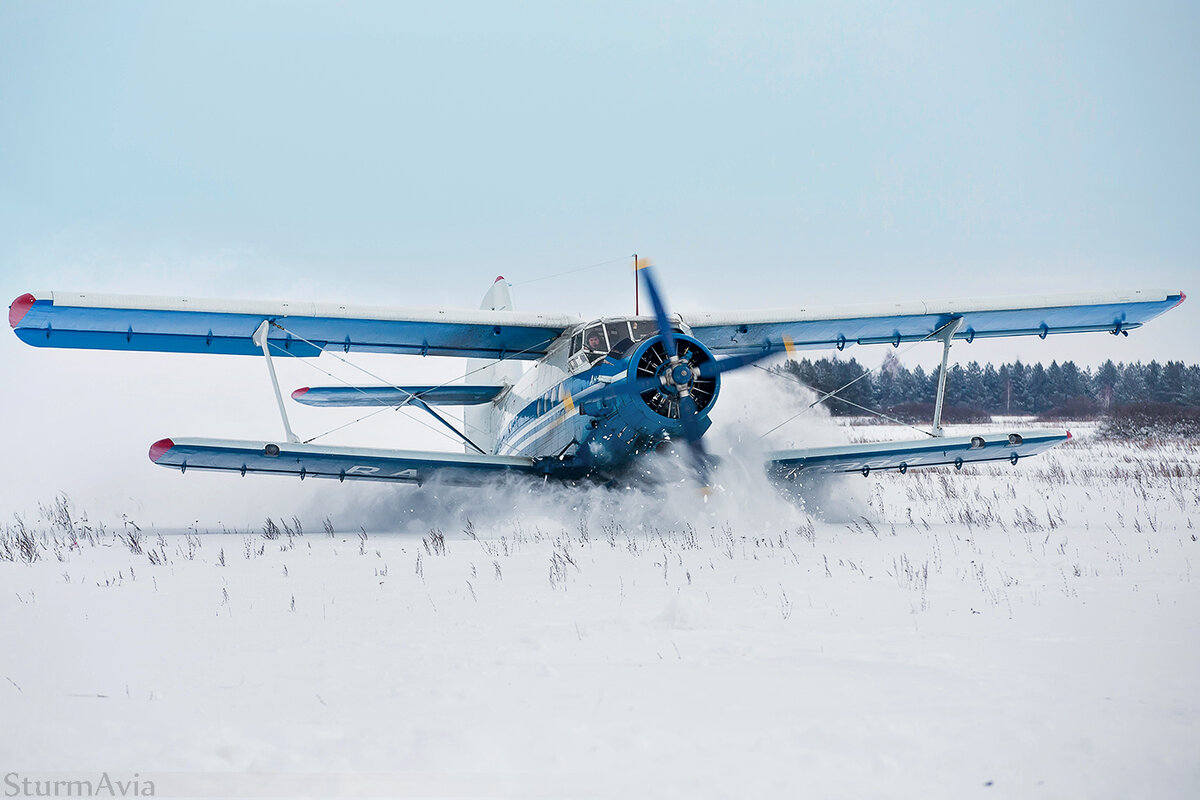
column 599, row 394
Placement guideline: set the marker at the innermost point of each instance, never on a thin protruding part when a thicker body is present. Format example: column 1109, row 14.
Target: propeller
column 677, row 374
column 661, row 317
column 712, row 369
column 677, row 379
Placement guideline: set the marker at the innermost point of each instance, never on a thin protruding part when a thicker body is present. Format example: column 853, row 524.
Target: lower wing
column 941, row 451
column 419, row 466
column 319, row 461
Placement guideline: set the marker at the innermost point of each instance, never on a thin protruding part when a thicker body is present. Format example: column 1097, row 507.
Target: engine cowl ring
column 677, row 376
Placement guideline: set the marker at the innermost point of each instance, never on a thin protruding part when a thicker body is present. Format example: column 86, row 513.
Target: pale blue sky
column 765, row 154
column 402, row 150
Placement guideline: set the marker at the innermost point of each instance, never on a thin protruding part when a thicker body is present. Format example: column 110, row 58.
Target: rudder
column 481, row 421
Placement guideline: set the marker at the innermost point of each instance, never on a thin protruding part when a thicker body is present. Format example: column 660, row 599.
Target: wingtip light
column 159, row 449
column 498, row 279
column 19, row 308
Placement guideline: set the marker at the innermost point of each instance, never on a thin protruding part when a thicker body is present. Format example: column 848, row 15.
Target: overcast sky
column 765, row 154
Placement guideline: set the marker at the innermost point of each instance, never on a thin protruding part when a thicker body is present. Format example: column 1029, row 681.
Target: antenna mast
column 636, row 299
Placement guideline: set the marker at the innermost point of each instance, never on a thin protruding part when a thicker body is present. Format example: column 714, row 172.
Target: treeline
column 1064, row 389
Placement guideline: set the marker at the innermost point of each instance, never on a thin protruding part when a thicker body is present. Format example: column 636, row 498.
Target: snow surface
column 1029, row 631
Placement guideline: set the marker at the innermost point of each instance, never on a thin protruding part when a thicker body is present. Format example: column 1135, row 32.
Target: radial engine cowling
column 668, row 377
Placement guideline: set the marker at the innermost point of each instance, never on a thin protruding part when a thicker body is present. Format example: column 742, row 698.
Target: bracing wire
column 865, row 373
column 386, row 406
column 365, row 371
column 572, row 271
column 880, row 414
column 376, row 412
column 401, row 407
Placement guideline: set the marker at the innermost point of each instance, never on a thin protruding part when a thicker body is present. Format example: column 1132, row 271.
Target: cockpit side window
column 576, row 343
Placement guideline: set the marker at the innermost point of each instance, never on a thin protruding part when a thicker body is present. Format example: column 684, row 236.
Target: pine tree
column 1151, row 375
column 1104, row 383
column 885, row 386
column 1017, row 399
column 1038, row 390
column 1008, row 389
column 1131, row 386
column 922, row 387
column 974, row 393
column 1171, row 387
column 1054, row 395
column 1191, row 395
column 993, row 389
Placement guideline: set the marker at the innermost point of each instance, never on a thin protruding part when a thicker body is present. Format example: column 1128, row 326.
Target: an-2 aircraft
column 599, row 393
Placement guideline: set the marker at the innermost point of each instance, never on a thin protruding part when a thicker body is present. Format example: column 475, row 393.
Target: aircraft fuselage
column 577, row 411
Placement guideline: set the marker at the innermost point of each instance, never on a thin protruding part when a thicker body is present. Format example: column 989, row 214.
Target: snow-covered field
column 1029, row 631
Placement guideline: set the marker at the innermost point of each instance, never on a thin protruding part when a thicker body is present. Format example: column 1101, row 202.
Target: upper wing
column 190, row 325
column 893, row 323
column 319, row 461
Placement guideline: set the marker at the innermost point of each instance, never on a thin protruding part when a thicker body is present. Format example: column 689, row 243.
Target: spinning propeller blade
column 660, row 308
column 712, row 369
column 689, row 415
column 689, row 371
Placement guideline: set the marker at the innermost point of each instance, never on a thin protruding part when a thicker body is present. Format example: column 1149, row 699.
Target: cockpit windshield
column 618, row 335
column 642, row 330
column 615, row 337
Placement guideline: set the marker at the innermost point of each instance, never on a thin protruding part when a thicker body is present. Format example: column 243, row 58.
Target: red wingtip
column 296, row 394
column 159, row 448
column 1068, row 434
column 19, row 308
column 498, row 279
column 1182, row 297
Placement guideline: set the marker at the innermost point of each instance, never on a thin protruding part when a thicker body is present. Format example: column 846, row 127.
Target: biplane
column 554, row 396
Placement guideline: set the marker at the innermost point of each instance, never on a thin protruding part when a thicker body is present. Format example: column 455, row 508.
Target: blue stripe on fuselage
column 527, row 425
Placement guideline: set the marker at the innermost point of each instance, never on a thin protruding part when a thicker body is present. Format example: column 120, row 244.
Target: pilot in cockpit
column 594, row 343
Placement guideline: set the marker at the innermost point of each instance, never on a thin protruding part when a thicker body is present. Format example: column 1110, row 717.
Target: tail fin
column 481, row 421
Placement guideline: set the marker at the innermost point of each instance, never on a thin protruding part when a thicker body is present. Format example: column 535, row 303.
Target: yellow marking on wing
column 789, row 345
column 642, row 263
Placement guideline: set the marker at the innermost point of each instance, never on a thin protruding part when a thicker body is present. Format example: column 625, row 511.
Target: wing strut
column 260, row 339
column 417, row 401
column 947, row 336
column 413, row 398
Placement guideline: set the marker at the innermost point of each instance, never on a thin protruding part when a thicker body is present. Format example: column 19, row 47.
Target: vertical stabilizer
column 480, row 421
